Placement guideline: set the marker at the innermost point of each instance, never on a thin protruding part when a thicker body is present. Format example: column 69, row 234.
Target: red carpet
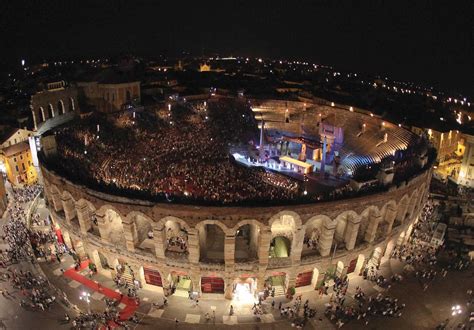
column 131, row 304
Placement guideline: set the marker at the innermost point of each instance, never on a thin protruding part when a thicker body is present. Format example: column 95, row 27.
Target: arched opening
column 89, row 215
column 244, row 290
column 402, row 210
column 151, row 276
column 411, row 205
column 71, row 104
column 246, row 243
column 376, row 257
column 211, row 242
column 212, row 284
column 365, row 219
column 343, row 237
column 180, row 283
column 42, row 114
column 307, row 279
column 176, row 245
column 50, row 111
column 113, row 228
column 61, row 109
column 388, row 251
column 69, row 207
column 282, row 230
column 280, row 247
column 143, row 233
column 313, row 231
column 360, row 264
column 128, row 96
column 276, row 284
column 355, row 265
column 100, row 261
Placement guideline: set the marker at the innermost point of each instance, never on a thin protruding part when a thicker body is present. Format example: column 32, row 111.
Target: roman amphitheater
column 237, row 249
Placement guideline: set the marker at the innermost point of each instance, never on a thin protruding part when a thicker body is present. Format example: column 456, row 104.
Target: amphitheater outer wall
column 372, row 226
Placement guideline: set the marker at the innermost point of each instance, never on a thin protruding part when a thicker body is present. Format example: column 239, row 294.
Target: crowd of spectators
column 185, row 158
column 35, row 290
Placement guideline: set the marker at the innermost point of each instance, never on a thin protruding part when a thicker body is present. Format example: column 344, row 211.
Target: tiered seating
column 358, row 149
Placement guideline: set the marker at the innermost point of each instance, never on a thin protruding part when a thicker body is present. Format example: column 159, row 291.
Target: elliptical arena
column 236, row 250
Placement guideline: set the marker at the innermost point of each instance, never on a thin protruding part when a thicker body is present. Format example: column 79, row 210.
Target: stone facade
column 55, row 103
column 352, row 232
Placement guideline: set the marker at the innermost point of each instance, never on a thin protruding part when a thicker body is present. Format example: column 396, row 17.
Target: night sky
column 421, row 41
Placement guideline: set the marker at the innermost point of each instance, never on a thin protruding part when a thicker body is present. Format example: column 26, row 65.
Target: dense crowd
column 35, row 290
column 185, row 158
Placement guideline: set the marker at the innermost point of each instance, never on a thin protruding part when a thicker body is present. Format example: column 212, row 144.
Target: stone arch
column 283, row 216
column 287, row 224
column 86, row 212
column 369, row 223
column 42, row 114
column 247, row 237
column 376, row 256
column 280, row 247
column 389, row 212
column 212, row 250
column 307, row 278
column 388, row 250
column 111, row 225
column 419, row 201
column 359, row 264
column 56, row 196
column 151, row 278
column 162, row 222
column 401, row 210
column 50, row 111
column 218, row 223
column 175, row 233
column 412, row 204
column 72, row 106
column 69, row 206
column 142, row 230
column 61, row 108
column 347, row 225
column 313, row 233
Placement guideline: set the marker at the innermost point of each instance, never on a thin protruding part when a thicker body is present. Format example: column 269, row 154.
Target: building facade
column 53, row 106
column 227, row 247
column 466, row 173
column 18, row 163
column 110, row 96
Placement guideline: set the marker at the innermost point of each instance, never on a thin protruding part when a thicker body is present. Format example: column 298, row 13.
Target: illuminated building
column 237, row 250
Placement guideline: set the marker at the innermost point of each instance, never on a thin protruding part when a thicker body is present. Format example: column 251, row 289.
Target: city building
column 111, row 91
column 449, row 146
column 52, row 106
column 18, row 163
column 466, row 172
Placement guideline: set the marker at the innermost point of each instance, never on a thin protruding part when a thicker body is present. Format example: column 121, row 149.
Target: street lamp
column 86, row 296
column 456, row 310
